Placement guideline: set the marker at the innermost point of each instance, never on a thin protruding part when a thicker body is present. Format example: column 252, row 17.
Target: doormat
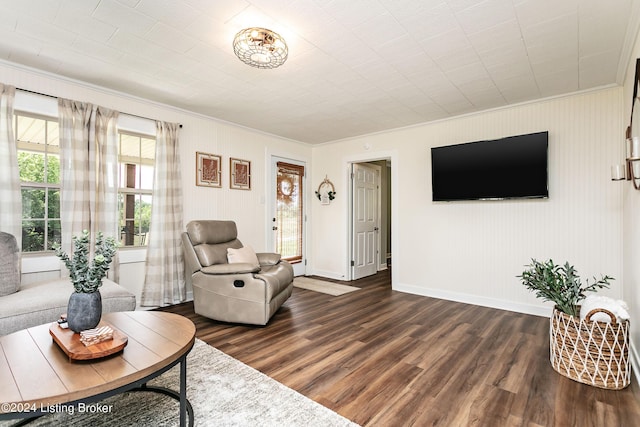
column 323, row 286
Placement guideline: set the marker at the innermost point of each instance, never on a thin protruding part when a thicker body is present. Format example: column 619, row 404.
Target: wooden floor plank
column 381, row 357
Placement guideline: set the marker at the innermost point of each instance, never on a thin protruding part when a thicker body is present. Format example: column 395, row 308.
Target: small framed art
column 208, row 170
column 240, row 175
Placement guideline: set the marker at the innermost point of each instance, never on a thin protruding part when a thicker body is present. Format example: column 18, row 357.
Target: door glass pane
column 289, row 211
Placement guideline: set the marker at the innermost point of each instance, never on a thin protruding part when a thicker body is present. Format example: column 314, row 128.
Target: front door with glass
column 288, row 220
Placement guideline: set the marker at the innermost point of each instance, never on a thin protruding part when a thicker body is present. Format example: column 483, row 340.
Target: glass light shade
column 260, row 48
column 618, row 172
column 634, row 146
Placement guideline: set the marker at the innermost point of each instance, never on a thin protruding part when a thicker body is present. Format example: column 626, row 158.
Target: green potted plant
column 559, row 284
column 85, row 304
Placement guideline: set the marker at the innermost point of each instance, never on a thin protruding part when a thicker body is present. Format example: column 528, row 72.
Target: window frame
column 45, row 186
column 131, row 191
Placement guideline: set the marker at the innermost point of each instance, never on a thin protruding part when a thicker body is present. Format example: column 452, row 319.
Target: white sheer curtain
column 88, row 170
column 10, row 194
column 164, row 280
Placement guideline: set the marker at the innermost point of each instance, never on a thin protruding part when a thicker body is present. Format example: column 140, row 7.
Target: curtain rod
column 55, row 97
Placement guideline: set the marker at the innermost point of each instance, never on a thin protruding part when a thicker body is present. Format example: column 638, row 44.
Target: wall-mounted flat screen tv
column 507, row 168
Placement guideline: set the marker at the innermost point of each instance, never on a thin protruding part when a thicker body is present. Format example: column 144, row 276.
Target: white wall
column 468, row 251
column 472, row 251
column 199, row 133
column 631, row 289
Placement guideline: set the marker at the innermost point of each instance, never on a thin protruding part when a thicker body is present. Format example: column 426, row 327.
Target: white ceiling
column 354, row 67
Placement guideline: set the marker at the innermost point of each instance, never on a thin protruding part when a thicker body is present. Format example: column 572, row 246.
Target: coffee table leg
column 183, row 392
column 185, row 406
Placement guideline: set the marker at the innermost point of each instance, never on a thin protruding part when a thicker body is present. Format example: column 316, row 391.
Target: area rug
column 325, row 287
column 223, row 392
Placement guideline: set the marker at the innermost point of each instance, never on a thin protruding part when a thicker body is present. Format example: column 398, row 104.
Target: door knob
column 274, row 228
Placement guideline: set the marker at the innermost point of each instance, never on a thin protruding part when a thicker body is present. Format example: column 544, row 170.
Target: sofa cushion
column 244, row 255
column 42, row 302
column 9, row 264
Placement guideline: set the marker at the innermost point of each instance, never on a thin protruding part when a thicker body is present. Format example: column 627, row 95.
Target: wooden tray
column 70, row 343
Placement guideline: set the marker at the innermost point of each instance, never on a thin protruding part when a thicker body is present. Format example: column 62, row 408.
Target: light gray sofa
column 26, row 305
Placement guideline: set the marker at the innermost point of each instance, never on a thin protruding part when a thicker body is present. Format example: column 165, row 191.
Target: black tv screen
column 507, row 168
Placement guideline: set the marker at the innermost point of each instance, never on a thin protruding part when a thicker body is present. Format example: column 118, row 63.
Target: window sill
column 37, row 263
column 132, row 254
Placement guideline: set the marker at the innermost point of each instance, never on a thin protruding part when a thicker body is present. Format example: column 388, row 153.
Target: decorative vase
column 84, row 311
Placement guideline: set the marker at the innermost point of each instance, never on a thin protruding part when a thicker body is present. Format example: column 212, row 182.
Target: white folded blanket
column 618, row 307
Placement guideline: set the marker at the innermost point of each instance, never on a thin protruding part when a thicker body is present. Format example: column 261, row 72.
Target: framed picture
column 240, row 174
column 208, row 170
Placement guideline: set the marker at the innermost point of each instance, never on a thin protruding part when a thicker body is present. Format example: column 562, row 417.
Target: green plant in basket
column 86, row 276
column 559, row 284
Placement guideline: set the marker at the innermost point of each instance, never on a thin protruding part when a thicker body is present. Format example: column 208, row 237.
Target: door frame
column 378, row 238
column 392, row 156
column 302, row 267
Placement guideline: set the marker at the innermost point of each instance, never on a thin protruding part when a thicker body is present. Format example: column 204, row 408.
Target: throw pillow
column 245, row 255
column 9, row 264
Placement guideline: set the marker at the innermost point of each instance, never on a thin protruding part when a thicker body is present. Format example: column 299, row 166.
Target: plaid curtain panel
column 76, row 181
column 104, row 205
column 88, row 170
column 10, row 195
column 164, row 280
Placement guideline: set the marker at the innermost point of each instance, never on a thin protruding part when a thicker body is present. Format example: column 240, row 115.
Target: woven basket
column 594, row 353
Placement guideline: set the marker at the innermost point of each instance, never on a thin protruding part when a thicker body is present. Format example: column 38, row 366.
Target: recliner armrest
column 234, row 268
column 268, row 258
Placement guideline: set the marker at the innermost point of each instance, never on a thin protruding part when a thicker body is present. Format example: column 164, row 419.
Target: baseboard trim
column 328, row 274
column 635, row 361
column 536, row 310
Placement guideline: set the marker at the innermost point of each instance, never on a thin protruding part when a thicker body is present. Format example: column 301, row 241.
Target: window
column 38, row 149
column 136, row 166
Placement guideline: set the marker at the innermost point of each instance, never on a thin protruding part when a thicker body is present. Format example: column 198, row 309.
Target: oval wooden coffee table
column 36, row 374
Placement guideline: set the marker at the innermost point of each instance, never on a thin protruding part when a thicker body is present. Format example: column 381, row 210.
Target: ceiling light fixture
column 260, row 48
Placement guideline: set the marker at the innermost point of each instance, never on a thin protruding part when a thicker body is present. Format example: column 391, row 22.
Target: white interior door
column 365, row 182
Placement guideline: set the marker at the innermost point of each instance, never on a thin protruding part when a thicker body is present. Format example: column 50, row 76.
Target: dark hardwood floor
column 386, row 358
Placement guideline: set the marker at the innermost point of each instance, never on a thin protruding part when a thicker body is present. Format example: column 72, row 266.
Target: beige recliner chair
column 237, row 292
